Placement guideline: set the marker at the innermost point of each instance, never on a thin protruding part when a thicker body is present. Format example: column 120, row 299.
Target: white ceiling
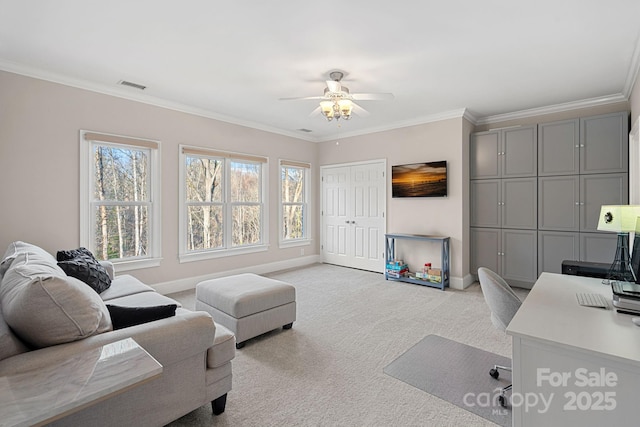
column 233, row 60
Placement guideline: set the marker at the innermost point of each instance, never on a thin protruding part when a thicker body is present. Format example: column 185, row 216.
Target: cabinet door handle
column 577, row 203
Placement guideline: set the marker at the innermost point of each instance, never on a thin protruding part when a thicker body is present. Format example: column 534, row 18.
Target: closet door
column 353, row 215
column 335, row 222
column 367, row 216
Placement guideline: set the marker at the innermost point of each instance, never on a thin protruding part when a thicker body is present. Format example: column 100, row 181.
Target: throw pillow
column 81, row 264
column 123, row 317
column 45, row 307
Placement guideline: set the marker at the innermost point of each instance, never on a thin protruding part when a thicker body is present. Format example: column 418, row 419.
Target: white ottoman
column 247, row 304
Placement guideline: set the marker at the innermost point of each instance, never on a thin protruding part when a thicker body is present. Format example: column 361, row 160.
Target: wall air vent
column 130, row 84
column 304, row 130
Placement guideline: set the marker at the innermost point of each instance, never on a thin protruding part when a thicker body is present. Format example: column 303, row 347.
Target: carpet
column 457, row 373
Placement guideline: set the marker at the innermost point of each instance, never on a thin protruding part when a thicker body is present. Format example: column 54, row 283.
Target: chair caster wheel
column 494, row 373
column 502, row 401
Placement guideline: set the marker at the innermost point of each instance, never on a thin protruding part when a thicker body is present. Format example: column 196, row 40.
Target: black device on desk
column 586, row 269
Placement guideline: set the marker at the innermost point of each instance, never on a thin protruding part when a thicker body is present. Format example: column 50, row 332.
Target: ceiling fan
column 337, row 102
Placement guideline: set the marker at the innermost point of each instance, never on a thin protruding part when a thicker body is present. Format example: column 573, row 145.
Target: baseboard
column 461, row 283
column 191, row 282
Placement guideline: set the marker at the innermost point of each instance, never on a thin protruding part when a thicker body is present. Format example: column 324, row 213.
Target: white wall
column 39, row 161
column 443, row 140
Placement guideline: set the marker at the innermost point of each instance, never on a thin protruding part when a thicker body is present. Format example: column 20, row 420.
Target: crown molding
column 125, row 93
column 632, row 75
column 567, row 106
column 453, row 114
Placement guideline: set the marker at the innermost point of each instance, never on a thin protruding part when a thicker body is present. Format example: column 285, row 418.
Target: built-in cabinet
column 536, row 193
column 507, row 153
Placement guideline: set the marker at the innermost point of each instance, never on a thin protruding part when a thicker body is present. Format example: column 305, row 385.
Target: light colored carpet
column 328, row 369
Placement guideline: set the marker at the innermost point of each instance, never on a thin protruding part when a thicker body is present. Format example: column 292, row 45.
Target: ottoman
column 247, row 304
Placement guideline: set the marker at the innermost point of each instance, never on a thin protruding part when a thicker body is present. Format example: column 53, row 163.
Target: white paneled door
column 353, row 215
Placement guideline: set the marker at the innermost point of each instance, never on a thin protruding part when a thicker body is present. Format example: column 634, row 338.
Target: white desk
column 46, row 394
column 552, row 336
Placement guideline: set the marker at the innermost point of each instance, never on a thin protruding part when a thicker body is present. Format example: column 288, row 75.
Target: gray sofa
column 194, row 351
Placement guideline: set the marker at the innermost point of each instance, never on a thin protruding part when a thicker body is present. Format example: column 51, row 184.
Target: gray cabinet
column 507, row 153
column 519, row 257
column 559, row 148
column 506, row 203
column 597, row 144
column 598, row 247
column 519, row 152
column 509, row 252
column 604, row 146
column 486, row 245
column 485, row 209
column 536, row 193
column 572, row 202
column 559, row 203
column 555, row 247
column 485, row 155
column 598, row 190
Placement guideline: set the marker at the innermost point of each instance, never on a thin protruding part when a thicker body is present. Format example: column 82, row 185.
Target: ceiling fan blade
column 315, row 112
column 359, row 110
column 334, row 86
column 302, row 97
column 372, row 96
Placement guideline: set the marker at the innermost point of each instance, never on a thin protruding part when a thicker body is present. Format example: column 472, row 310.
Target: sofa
column 47, row 317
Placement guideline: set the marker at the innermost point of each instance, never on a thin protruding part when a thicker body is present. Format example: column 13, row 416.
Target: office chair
column 504, row 304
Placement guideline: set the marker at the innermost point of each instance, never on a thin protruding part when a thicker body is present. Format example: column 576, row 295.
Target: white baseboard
column 191, row 282
column 461, row 283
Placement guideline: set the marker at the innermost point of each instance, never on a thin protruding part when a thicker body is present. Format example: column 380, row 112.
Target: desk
column 43, row 395
column 584, row 361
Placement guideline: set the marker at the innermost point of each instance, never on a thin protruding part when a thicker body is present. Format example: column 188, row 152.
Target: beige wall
column 443, row 140
column 39, row 160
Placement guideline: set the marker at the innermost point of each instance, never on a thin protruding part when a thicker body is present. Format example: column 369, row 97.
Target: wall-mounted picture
column 419, row 180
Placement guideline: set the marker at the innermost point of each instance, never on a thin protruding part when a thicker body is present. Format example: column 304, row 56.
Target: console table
column 48, row 393
column 390, row 250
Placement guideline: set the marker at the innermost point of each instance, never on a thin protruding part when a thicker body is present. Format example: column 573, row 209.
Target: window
column 223, row 205
column 294, row 177
column 119, row 201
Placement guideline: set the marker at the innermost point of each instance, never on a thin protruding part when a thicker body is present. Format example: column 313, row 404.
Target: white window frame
column 305, row 240
column 88, row 140
column 227, row 249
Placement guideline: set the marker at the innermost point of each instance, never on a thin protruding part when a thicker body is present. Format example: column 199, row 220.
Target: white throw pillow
column 45, row 307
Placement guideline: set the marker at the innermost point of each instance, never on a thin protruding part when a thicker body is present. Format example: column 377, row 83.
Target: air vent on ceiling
column 131, row 84
column 305, row 130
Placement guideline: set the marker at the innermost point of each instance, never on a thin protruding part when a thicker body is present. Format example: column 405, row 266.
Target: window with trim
column 120, row 209
column 222, row 203
column 294, row 189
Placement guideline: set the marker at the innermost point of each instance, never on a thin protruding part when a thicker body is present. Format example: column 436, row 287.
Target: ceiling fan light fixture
column 327, row 109
column 345, row 106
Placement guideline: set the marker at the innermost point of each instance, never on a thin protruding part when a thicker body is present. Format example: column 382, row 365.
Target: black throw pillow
column 74, row 253
column 81, row 264
column 123, row 317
